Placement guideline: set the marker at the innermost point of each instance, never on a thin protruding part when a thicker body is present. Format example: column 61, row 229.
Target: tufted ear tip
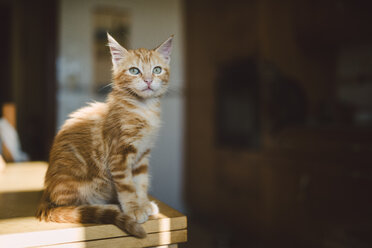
column 117, row 51
column 165, row 49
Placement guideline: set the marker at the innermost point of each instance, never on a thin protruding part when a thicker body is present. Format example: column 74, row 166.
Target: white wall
column 152, row 22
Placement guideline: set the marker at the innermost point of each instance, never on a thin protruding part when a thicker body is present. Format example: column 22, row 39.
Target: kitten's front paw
column 139, row 214
column 142, row 212
column 154, row 208
column 151, row 208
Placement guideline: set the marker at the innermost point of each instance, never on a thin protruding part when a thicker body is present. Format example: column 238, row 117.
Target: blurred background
column 267, row 134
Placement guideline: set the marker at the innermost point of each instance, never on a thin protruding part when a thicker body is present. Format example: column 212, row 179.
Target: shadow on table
column 19, row 204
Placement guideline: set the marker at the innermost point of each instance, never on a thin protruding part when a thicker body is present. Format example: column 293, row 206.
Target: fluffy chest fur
column 129, row 124
column 144, row 119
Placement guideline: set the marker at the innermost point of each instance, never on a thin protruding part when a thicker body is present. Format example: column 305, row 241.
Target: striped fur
column 98, row 167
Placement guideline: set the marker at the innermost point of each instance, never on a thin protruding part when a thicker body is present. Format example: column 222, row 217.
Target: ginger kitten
column 98, row 167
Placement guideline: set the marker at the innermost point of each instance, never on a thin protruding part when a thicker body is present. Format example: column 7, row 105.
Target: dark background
column 279, row 122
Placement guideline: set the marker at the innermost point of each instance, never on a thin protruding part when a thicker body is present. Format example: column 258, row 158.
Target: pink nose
column 148, row 81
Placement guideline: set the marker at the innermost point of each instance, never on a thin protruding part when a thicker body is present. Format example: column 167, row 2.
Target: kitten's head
column 141, row 72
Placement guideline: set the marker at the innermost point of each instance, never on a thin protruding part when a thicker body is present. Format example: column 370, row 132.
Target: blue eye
column 134, row 71
column 157, row 70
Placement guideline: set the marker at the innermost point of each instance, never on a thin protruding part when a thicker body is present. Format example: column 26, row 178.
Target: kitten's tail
column 87, row 214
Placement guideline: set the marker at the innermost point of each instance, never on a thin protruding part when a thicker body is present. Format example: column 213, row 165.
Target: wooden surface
column 2, row 163
column 23, row 177
column 20, row 191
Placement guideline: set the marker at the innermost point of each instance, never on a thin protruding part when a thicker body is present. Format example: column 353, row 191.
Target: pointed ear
column 165, row 49
column 117, row 52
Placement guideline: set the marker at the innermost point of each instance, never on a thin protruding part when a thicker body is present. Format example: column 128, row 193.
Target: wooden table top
column 20, row 190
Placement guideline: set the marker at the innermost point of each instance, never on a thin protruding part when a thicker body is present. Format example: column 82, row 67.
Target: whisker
column 104, row 87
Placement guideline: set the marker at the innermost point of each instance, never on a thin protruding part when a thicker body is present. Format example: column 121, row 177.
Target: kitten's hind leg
column 67, row 205
column 100, row 214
